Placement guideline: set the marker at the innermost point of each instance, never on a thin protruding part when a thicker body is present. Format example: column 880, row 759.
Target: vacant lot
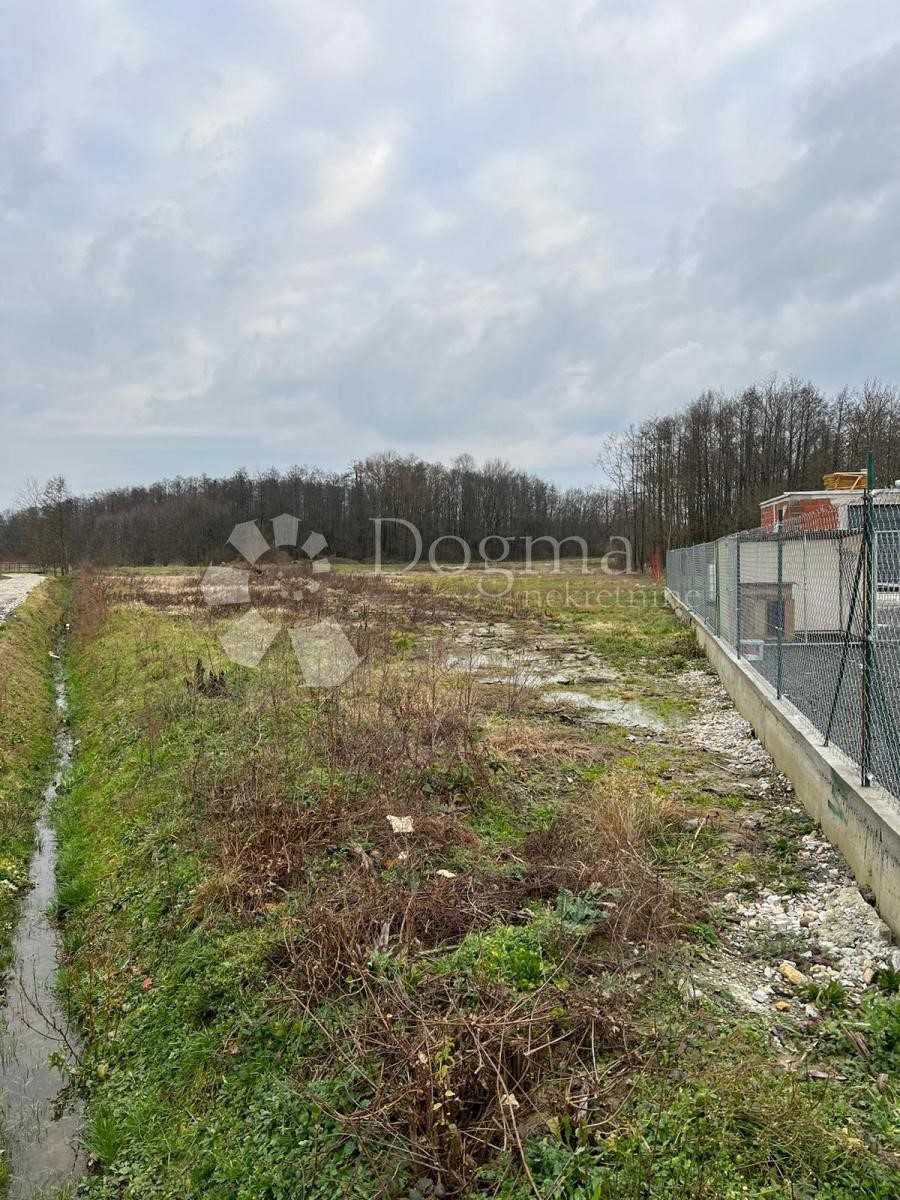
column 487, row 919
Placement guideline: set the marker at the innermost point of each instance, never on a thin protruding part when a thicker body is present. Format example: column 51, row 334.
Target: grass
column 27, row 718
column 283, row 995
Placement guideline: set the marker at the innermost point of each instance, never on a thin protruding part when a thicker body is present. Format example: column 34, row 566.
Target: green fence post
column 865, row 758
column 779, row 609
column 737, row 594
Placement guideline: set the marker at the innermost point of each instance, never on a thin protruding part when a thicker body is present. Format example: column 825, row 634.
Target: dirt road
column 14, row 589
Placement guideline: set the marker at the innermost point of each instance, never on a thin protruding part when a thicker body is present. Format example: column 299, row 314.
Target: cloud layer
column 281, row 231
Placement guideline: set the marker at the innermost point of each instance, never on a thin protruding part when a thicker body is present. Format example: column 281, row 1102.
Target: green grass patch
column 710, row 1120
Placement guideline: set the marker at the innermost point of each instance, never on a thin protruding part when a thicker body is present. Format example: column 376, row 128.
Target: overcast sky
column 279, row 231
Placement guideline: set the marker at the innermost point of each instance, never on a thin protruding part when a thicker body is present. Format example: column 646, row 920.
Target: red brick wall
column 821, row 505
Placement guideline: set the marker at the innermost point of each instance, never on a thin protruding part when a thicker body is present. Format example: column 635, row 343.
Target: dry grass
column 527, row 741
column 94, row 593
column 293, row 589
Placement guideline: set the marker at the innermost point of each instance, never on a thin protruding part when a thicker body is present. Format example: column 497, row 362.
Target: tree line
column 188, row 520
column 686, row 477
column 700, row 473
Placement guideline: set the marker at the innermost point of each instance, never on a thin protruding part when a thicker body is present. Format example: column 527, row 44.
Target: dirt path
column 14, row 589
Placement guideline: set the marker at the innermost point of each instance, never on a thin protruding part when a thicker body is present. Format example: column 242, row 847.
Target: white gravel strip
column 836, row 933
column 14, row 589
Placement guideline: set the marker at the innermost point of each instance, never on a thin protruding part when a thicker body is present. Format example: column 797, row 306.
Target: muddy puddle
column 629, row 714
column 491, row 654
column 42, row 1134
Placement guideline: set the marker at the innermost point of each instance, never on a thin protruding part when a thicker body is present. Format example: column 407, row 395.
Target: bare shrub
column 93, row 594
column 449, row 1082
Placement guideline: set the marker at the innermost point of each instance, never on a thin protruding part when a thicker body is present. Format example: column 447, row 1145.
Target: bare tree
column 45, row 522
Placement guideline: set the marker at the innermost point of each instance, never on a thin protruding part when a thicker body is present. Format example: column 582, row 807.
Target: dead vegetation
column 206, row 683
column 388, row 863
column 94, row 592
column 452, row 1081
column 293, row 588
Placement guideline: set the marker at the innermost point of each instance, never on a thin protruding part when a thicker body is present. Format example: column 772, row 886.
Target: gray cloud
column 286, row 231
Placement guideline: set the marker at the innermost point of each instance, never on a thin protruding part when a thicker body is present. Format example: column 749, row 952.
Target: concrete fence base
column 863, row 822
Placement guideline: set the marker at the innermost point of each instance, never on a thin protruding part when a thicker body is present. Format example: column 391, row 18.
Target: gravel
column 548, row 660
column 834, row 932
column 14, row 589
column 719, row 727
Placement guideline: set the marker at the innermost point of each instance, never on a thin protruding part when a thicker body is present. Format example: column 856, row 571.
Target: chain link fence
column 812, row 604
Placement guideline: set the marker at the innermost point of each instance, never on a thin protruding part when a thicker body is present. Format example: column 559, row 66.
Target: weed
column 772, row 946
column 887, row 980
column 511, row 954
column 829, row 997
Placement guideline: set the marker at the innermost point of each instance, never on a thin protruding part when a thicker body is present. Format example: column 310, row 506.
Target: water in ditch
column 41, row 1128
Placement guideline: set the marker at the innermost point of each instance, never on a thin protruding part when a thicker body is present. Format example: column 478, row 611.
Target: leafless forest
column 670, row 480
